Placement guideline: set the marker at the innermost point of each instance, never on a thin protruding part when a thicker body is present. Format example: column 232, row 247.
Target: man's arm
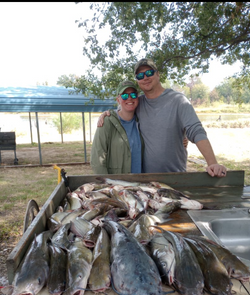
column 213, row 168
column 101, row 118
column 185, row 142
column 107, row 113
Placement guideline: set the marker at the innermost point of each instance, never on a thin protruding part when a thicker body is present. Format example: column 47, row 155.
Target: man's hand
column 213, row 168
column 101, row 118
column 217, row 170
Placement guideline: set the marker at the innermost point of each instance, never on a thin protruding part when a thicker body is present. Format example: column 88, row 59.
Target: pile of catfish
column 106, row 235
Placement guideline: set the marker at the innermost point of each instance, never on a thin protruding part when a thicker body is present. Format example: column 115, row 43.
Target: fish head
column 133, row 212
column 78, row 291
column 223, row 290
column 29, row 287
column 32, row 278
column 241, row 273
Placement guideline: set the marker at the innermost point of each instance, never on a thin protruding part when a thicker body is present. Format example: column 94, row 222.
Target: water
column 19, row 123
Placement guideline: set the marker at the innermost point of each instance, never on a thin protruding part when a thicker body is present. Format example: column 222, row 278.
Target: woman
column 117, row 146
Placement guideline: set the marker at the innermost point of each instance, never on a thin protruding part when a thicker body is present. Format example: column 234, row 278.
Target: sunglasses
column 125, row 96
column 148, row 73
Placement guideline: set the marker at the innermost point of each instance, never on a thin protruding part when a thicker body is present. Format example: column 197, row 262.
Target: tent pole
column 90, row 135
column 61, row 127
column 38, row 138
column 84, row 137
column 31, row 137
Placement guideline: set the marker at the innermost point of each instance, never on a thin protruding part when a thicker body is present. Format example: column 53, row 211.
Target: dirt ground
column 232, row 144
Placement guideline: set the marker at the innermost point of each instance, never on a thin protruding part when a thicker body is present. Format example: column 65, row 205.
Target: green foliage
column 186, row 91
column 67, row 81
column 79, row 84
column 242, row 79
column 214, row 96
column 166, row 84
column 179, row 36
column 200, row 94
column 70, row 122
column 230, row 92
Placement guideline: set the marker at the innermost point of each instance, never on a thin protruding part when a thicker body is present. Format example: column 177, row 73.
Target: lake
column 19, row 123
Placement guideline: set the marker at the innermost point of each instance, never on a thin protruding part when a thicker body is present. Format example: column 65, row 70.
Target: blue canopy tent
column 50, row 99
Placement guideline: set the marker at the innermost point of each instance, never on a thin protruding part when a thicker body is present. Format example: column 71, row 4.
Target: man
column 165, row 118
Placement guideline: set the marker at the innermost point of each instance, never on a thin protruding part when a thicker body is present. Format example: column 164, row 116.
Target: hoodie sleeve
column 99, row 150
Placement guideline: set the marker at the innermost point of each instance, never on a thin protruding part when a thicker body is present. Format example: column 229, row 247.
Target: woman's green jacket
column 110, row 152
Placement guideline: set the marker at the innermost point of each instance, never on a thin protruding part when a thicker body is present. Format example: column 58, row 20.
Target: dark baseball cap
column 145, row 62
column 124, row 85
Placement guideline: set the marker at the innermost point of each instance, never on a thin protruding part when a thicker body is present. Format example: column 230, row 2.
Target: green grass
column 20, row 185
column 7, row 206
column 231, row 165
column 13, row 229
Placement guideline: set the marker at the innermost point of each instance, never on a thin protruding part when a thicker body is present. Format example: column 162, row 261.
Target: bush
column 70, row 122
column 229, row 124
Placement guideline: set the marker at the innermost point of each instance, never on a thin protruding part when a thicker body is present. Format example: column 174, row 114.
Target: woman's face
column 130, row 104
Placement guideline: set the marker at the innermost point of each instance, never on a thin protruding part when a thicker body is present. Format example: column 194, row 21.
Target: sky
column 40, row 41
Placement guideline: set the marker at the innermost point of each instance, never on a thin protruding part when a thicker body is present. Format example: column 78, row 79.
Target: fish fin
column 204, row 248
column 162, row 217
column 178, row 193
column 155, row 184
column 95, row 258
column 102, row 179
column 157, row 227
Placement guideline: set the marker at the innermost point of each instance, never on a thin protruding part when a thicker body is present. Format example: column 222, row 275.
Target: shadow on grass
column 51, row 153
column 230, row 164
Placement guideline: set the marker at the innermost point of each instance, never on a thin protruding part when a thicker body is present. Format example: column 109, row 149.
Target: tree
column 200, row 94
column 70, row 122
column 242, row 80
column 246, row 95
column 166, row 84
column 230, row 92
column 214, row 96
column 67, row 81
column 225, row 90
column 79, row 84
column 193, row 81
column 179, row 36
